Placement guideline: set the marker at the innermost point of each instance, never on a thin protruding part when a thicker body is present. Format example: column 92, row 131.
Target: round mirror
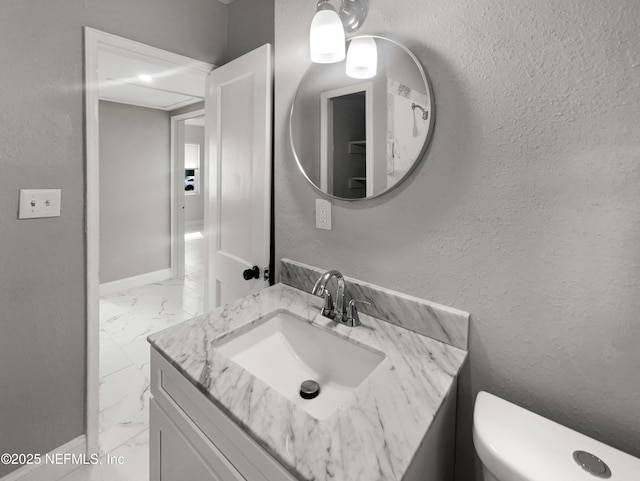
column 357, row 138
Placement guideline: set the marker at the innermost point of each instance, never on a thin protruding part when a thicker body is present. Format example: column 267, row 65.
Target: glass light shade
column 326, row 37
column 362, row 58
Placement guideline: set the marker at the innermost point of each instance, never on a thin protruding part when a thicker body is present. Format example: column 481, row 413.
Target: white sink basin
column 283, row 350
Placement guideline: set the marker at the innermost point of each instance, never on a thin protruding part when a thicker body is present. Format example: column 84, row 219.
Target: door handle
column 252, row 273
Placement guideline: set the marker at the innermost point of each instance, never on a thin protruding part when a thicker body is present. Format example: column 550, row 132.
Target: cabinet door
column 179, row 454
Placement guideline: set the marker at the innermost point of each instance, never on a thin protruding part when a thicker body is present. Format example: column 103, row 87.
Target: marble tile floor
column 126, row 319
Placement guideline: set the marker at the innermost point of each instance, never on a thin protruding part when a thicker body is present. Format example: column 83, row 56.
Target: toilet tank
column 517, row 445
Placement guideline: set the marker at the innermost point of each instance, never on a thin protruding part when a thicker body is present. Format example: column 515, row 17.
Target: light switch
column 36, row 203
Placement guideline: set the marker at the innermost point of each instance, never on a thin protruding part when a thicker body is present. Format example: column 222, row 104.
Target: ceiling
column 169, row 87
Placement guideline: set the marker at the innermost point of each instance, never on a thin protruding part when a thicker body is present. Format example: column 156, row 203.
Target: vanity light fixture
column 326, row 37
column 362, row 58
column 328, row 27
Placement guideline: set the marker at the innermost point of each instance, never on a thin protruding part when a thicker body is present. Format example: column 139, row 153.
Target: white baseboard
column 135, row 281
column 47, row 470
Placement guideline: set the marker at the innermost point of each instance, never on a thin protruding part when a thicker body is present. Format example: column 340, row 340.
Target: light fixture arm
column 324, row 5
column 351, row 12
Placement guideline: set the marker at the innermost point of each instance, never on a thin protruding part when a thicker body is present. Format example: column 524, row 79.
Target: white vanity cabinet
column 192, row 439
column 398, row 423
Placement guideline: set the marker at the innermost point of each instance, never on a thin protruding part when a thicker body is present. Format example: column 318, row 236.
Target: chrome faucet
column 347, row 316
column 320, row 290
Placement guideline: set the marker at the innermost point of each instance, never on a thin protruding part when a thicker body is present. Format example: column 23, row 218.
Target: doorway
column 188, row 198
column 248, row 80
column 100, row 46
column 348, row 156
column 187, row 185
column 346, row 135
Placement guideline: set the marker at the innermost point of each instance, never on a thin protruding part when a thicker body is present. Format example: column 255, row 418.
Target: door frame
column 326, row 133
column 94, row 41
column 177, row 194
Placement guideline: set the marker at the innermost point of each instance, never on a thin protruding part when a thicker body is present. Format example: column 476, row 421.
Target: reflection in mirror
column 355, row 138
column 192, row 168
column 343, row 122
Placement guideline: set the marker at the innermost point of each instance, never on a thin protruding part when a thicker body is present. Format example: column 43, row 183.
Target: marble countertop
column 373, row 438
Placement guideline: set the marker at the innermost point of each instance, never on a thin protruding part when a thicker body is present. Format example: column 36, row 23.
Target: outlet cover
column 323, row 214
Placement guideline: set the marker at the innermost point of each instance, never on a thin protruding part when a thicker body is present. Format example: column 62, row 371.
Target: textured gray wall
column 135, row 194
column 525, row 210
column 194, row 203
column 42, row 273
column 250, row 26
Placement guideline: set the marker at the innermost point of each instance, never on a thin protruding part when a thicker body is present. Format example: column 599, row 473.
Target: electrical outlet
column 323, row 214
column 35, row 203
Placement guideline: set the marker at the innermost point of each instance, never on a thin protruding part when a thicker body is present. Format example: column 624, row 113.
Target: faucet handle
column 353, row 319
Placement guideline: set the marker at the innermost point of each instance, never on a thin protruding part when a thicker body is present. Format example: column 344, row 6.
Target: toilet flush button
column 592, row 464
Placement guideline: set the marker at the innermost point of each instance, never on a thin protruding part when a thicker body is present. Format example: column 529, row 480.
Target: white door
column 238, row 106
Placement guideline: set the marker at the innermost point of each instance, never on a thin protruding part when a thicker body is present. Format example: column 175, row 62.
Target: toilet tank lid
column 516, row 444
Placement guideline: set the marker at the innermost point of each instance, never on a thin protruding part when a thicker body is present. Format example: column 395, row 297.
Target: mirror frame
column 423, row 151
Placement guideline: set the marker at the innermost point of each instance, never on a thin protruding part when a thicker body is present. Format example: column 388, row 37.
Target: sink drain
column 309, row 389
column 592, row 464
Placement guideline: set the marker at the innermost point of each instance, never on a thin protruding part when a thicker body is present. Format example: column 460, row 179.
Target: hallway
column 126, row 319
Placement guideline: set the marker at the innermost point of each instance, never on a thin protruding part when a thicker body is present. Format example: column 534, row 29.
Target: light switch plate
column 323, row 214
column 36, row 203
